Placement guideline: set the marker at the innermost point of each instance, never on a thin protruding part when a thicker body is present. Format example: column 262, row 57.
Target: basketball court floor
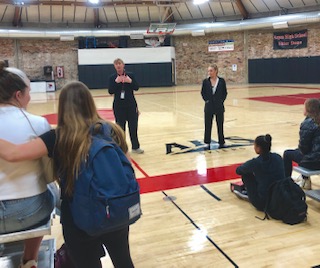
column 190, row 217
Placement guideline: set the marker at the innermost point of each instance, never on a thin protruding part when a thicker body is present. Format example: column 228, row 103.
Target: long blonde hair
column 77, row 113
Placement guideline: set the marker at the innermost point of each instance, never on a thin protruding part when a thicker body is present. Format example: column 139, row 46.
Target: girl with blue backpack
column 69, row 146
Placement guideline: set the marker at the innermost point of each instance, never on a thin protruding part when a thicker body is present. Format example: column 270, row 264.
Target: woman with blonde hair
column 308, row 152
column 25, row 201
column 214, row 93
column 69, row 146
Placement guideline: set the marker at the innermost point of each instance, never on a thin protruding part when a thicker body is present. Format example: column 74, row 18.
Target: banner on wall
column 220, row 45
column 60, row 71
column 293, row 40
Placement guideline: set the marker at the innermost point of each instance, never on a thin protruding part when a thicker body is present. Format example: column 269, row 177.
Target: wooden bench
column 12, row 246
column 314, row 194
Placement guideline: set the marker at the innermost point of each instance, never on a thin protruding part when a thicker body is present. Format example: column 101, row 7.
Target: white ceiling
column 134, row 13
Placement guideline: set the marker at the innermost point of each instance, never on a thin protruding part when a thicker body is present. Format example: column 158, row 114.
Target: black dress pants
column 128, row 114
column 208, row 118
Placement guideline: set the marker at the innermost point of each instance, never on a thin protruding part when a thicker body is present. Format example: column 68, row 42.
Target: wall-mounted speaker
column 47, row 70
column 123, row 41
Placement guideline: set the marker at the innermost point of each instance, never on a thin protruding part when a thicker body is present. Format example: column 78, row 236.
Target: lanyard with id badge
column 122, row 94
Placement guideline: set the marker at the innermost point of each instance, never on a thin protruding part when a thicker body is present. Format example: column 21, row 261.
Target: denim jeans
column 25, row 213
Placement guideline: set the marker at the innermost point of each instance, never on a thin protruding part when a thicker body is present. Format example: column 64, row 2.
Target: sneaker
column 298, row 179
column 242, row 195
column 207, row 147
column 29, row 264
column 138, row 151
column 305, row 183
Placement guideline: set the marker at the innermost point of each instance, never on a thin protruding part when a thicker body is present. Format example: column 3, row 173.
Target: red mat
column 296, row 99
column 106, row 114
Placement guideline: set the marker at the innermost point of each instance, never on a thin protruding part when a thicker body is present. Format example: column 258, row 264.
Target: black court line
column 197, row 227
column 210, row 193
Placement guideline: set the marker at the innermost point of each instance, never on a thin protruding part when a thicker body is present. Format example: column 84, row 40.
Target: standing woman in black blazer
column 214, row 93
column 122, row 85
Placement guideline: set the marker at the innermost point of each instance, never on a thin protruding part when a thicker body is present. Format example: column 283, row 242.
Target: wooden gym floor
column 190, row 217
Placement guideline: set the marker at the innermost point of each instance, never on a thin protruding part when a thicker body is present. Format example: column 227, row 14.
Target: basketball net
column 161, row 38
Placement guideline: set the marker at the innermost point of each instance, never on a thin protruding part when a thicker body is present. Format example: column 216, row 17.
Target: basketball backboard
column 161, row 28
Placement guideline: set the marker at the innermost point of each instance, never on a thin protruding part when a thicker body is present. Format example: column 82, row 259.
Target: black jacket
column 309, row 143
column 214, row 102
column 116, row 88
column 266, row 169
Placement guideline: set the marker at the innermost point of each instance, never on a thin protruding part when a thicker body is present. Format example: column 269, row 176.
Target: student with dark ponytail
column 260, row 172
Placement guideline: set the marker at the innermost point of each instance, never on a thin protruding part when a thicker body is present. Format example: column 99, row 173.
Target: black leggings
column 86, row 251
column 250, row 182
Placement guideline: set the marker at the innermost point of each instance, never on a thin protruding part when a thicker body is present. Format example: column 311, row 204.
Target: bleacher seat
column 12, row 244
column 314, row 194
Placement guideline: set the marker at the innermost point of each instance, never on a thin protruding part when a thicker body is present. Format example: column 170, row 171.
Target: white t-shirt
column 20, row 179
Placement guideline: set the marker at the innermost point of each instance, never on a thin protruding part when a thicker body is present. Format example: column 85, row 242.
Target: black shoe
column 222, row 146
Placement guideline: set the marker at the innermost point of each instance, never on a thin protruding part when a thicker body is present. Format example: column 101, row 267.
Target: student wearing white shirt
column 25, row 200
column 214, row 93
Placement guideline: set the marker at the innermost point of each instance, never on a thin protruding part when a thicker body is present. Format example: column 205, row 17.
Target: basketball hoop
column 161, row 28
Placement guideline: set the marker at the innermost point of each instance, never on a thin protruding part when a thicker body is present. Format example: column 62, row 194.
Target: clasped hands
column 123, row 79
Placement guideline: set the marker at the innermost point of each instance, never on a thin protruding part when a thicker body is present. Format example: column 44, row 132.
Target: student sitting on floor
column 260, row 172
column 308, row 152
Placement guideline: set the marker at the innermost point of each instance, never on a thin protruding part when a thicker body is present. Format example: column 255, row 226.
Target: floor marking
column 139, row 168
column 197, row 227
column 293, row 99
column 210, row 193
column 187, row 178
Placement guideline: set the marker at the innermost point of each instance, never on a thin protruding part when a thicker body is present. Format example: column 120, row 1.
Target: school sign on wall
column 220, row 45
column 293, row 40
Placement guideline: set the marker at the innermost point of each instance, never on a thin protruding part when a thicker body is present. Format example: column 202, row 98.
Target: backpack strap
column 105, row 137
column 266, row 215
column 104, row 133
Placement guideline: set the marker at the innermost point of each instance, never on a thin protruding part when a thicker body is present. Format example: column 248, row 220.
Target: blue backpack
column 106, row 193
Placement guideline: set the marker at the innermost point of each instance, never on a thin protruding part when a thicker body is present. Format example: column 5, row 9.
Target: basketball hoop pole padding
column 161, row 38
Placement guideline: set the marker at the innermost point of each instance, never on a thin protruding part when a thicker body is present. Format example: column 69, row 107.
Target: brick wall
column 192, row 56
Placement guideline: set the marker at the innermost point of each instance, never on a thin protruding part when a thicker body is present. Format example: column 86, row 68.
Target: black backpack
column 286, row 202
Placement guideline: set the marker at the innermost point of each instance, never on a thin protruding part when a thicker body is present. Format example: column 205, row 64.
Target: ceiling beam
column 17, row 16
column 96, row 20
column 242, row 9
column 167, row 15
column 101, row 4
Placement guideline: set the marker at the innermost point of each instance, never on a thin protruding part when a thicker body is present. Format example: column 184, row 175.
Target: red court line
column 106, row 114
column 139, row 168
column 295, row 99
column 187, row 178
column 304, row 87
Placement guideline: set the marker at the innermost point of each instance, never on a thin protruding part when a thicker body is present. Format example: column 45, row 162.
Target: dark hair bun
column 268, row 138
